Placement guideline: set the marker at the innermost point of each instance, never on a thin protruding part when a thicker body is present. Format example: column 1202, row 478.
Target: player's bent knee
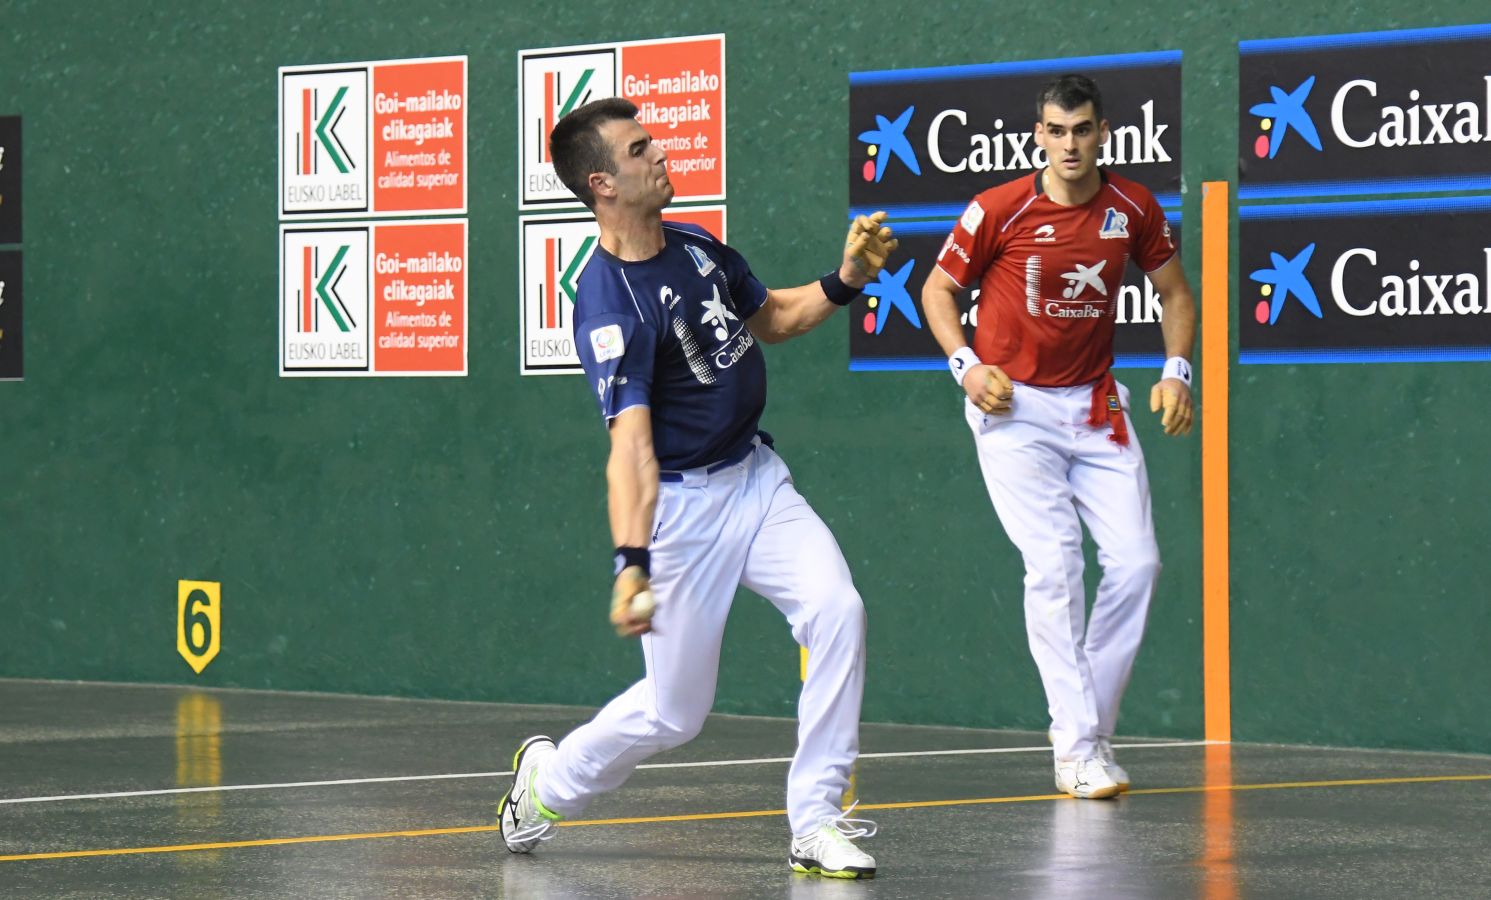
column 838, row 618
column 675, row 731
column 1138, row 565
column 845, row 608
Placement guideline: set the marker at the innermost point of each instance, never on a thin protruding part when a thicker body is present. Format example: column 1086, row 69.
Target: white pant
column 1044, row 467
column 743, row 525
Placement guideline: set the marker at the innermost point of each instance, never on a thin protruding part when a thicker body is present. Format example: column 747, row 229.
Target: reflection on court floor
column 148, row 791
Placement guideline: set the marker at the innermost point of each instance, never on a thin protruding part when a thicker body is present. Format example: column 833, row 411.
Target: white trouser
column 743, row 525
column 1045, row 467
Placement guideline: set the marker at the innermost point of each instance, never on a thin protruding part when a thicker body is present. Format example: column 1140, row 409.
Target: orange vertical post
column 1216, row 353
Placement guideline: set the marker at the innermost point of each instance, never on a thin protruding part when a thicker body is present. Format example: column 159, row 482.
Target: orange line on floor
column 749, row 814
column 1216, row 353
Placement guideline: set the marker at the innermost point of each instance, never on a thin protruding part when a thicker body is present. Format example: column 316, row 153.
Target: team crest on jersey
column 607, row 343
column 702, row 262
column 1115, row 224
column 973, row 216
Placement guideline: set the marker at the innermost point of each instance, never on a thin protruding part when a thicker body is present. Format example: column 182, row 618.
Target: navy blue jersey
column 669, row 333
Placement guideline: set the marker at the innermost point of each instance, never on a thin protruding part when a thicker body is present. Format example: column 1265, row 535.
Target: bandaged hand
column 990, row 389
column 631, row 617
column 1172, row 399
column 866, row 248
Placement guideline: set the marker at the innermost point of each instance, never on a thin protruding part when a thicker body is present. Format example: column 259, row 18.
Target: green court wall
column 446, row 537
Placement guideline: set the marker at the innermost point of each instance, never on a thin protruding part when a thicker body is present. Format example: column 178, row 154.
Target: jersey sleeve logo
column 973, row 216
column 1115, row 225
column 702, row 262
column 607, row 343
column 951, row 246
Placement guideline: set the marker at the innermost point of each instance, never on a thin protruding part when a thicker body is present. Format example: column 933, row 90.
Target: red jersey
column 1049, row 274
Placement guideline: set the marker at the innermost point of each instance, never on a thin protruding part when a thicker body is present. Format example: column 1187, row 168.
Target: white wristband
column 1179, row 368
column 962, row 360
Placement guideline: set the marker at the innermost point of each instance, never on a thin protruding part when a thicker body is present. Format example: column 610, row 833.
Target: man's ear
column 600, row 185
column 1103, row 132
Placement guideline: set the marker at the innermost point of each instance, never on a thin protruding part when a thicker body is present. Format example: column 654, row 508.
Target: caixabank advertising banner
column 1403, row 280
column 924, row 142
column 12, row 362
column 10, row 179
column 1386, row 112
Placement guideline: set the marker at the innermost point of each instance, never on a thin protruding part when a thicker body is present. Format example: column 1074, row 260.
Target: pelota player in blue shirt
column 667, row 324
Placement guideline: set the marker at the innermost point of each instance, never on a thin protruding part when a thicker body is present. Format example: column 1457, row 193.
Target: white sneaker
column 1119, row 775
column 521, row 815
column 828, row 851
column 1085, row 779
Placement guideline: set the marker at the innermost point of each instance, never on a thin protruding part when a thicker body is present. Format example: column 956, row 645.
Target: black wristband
column 837, row 292
column 626, row 557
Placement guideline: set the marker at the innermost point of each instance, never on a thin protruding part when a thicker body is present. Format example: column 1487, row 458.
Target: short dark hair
column 577, row 148
column 1070, row 92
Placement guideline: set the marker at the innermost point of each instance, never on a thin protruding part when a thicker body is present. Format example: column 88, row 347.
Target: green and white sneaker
column 1085, row 779
column 1115, row 771
column 829, row 850
column 521, row 815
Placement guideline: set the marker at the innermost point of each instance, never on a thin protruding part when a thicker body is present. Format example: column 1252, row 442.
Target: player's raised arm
column 1171, row 396
column 631, row 494
column 789, row 312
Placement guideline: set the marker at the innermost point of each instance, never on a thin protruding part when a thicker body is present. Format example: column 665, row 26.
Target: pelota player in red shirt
column 1050, row 424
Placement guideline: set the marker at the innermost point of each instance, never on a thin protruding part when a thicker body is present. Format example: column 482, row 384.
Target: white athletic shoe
column 1085, row 779
column 1119, row 775
column 828, row 850
column 520, row 814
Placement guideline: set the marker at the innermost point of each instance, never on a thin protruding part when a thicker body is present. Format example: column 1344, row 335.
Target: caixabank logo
column 1373, row 281
column 1387, row 112
column 923, row 141
column 887, row 141
column 324, row 141
column 324, row 300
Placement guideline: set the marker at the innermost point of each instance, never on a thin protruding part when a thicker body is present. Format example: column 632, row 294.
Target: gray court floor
column 210, row 794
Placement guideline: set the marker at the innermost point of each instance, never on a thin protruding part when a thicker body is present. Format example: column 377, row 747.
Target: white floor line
column 681, row 765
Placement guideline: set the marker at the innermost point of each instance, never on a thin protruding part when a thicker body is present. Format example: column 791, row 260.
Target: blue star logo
column 1288, row 111
column 1288, row 277
column 891, row 289
column 888, row 139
